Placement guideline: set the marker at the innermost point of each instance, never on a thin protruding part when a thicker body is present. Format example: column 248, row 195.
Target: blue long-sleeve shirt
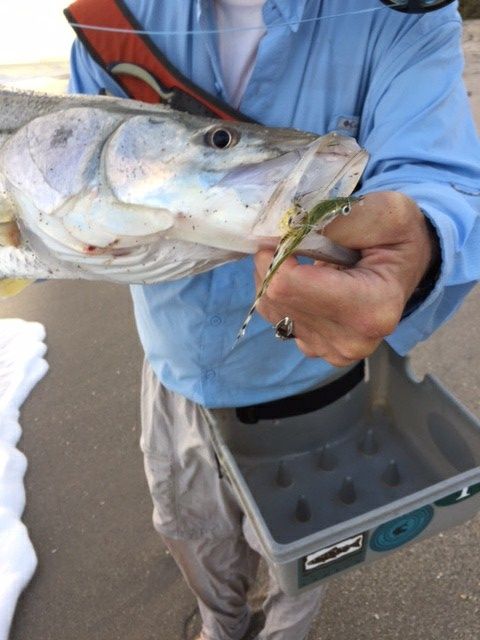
column 389, row 79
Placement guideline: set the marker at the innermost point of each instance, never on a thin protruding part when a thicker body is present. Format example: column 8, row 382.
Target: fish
column 104, row 188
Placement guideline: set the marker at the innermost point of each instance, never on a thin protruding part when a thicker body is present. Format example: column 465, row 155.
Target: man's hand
column 340, row 314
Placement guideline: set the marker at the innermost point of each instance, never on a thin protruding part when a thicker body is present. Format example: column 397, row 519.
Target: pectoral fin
column 9, row 233
column 10, row 237
column 10, row 287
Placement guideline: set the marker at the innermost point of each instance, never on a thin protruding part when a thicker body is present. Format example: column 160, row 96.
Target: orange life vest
column 136, row 63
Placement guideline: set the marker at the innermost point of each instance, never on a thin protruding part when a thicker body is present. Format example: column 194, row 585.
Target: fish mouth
column 328, row 167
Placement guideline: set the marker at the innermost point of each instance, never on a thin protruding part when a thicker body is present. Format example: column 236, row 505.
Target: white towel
column 22, row 365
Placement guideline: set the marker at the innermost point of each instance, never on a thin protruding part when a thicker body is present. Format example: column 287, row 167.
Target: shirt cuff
column 421, row 317
column 427, row 283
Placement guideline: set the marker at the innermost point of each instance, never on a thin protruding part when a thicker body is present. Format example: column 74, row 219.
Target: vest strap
column 136, row 64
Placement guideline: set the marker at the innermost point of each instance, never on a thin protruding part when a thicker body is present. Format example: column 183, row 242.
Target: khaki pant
column 203, row 526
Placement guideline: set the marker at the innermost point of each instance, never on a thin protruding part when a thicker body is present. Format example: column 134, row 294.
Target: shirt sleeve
column 418, row 129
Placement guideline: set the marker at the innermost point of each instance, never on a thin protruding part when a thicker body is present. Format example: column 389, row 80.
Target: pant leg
column 218, row 572
column 195, row 510
column 202, row 524
column 286, row 617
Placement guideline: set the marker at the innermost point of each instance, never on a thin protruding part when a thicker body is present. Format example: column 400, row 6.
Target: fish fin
column 9, row 233
column 8, row 209
column 9, row 237
column 9, row 287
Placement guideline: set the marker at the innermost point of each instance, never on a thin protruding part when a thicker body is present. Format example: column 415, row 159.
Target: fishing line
column 217, row 31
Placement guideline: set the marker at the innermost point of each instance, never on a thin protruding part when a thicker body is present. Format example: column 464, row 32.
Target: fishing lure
column 298, row 223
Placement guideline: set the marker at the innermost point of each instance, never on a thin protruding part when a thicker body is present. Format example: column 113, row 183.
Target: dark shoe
column 193, row 622
column 257, row 623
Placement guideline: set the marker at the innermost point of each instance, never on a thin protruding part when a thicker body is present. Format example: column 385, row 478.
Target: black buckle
column 416, row 6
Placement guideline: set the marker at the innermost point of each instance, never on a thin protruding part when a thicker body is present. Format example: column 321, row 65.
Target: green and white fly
column 297, row 224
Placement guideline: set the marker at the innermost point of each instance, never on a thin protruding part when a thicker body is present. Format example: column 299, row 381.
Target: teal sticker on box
column 401, row 530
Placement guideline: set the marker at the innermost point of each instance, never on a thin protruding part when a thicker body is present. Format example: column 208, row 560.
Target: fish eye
column 346, row 209
column 221, row 137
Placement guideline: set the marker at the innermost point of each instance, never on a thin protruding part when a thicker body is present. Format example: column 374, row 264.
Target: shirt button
column 215, row 321
column 210, row 374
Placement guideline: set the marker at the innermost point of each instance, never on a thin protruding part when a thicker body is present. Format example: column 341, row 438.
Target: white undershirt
column 238, row 49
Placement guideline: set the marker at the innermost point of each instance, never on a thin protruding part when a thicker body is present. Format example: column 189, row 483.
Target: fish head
column 225, row 183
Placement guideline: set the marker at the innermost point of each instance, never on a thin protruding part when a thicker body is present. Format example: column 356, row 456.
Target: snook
column 110, row 189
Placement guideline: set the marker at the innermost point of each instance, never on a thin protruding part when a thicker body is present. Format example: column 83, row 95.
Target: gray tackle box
column 393, row 461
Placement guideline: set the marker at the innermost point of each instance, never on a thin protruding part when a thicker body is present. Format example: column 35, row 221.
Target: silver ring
column 284, row 329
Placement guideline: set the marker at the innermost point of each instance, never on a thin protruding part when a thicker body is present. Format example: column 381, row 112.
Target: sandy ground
column 103, row 574
column 51, row 77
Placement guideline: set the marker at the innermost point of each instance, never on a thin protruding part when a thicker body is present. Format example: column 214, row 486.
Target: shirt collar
column 291, row 10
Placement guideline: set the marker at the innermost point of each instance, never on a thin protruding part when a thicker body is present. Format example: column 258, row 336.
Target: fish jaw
column 330, row 167
column 158, row 262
